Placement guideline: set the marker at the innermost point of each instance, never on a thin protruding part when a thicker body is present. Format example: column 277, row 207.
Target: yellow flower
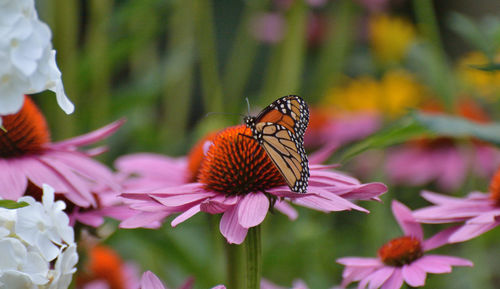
column 360, row 94
column 485, row 83
column 400, row 91
column 391, row 96
column 390, row 37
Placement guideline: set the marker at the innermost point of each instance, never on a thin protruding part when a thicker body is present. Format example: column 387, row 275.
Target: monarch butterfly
column 279, row 129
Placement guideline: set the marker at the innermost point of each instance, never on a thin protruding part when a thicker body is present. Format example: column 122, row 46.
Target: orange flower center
column 26, row 131
column 495, row 187
column 103, row 264
column 196, row 155
column 401, row 251
column 236, row 164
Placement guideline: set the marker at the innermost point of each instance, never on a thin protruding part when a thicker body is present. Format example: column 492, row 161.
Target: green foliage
column 401, row 131
column 452, row 126
column 9, row 204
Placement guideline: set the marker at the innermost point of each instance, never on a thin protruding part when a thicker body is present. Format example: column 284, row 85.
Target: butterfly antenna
column 248, row 105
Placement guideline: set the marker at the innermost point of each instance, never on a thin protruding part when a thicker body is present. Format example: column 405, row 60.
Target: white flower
column 27, row 57
column 34, row 239
column 64, row 268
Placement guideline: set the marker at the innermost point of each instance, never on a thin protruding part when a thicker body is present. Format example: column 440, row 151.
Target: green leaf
column 487, row 67
column 454, row 126
column 403, row 130
column 471, row 32
column 9, row 204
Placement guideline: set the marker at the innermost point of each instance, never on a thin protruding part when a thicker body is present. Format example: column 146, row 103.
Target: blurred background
column 360, row 65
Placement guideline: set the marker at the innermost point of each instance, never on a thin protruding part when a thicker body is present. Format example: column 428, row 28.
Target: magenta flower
column 339, row 129
column 441, row 161
column 150, row 281
column 444, row 161
column 402, row 259
column 297, row 284
column 28, row 160
column 480, row 212
column 237, row 179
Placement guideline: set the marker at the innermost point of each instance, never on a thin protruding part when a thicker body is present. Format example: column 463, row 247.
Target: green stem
column 179, row 70
column 254, row 258
column 284, row 72
column 65, row 33
column 210, row 82
column 234, row 266
column 97, row 49
column 333, row 54
column 427, row 23
column 242, row 58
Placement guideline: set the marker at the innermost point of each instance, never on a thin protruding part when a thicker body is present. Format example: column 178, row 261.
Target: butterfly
column 279, row 129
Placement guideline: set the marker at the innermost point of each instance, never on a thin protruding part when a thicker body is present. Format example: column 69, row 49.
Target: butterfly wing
column 281, row 127
column 290, row 111
column 287, row 153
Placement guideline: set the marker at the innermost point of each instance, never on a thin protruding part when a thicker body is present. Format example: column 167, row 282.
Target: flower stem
column 427, row 23
column 253, row 260
column 234, row 266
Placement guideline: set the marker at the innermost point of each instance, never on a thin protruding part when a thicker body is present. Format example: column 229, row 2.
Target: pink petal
column 230, row 227
column 448, row 260
column 150, row 281
column 365, row 191
column 469, row 231
column 395, row 281
column 77, row 188
column 286, row 209
column 173, row 170
column 452, row 169
column 438, row 198
column 323, row 153
column 218, row 204
column 186, row 215
column 406, row 220
column 252, row 209
column 357, row 261
column 414, row 275
column 86, row 167
column 326, row 201
column 144, row 220
column 13, row 182
column 182, row 199
column 439, row 239
column 377, row 278
column 90, row 137
column 429, row 264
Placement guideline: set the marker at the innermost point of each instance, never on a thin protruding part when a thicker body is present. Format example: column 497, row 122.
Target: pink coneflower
column 403, row 259
column 479, row 211
column 237, row 179
column 28, row 160
column 327, row 127
column 150, row 281
column 142, row 173
column 443, row 160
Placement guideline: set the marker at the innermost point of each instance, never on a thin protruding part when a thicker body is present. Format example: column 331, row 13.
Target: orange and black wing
column 289, row 111
column 287, row 153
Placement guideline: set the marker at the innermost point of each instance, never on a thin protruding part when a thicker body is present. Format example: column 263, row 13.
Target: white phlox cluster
column 37, row 248
column 28, row 62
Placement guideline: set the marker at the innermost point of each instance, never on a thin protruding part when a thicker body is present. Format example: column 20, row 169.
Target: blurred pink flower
column 150, row 281
column 237, row 179
column 325, row 128
column 443, row 160
column 297, row 284
column 268, row 27
column 28, row 159
column 402, row 259
column 480, row 212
